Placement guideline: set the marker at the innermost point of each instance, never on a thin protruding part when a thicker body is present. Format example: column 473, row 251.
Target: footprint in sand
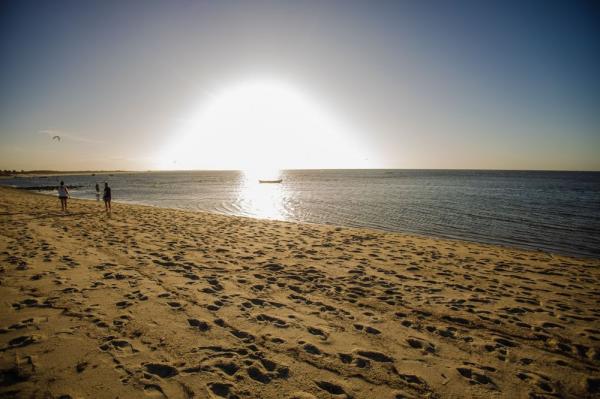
column 220, row 390
column 154, row 390
column 277, row 322
column 539, row 381
column 199, row 324
column 375, row 356
column 123, row 304
column 228, row 368
column 256, row 374
column 417, row 343
column 318, row 332
column 367, row 329
column 330, row 387
column 23, row 340
column 312, row 349
column 358, row 361
column 175, row 305
column 161, row 370
column 474, row 377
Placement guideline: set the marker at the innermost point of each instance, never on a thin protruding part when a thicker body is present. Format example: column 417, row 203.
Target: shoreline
column 523, row 247
column 172, row 303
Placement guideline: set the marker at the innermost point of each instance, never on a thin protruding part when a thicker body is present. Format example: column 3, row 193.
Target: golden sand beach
column 151, row 302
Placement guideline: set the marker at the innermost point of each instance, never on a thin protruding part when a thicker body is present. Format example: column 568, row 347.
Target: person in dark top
column 97, row 192
column 107, row 197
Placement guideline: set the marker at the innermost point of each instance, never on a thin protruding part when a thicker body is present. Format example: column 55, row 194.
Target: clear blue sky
column 415, row 84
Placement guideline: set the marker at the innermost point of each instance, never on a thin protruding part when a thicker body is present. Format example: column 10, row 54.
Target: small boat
column 271, row 181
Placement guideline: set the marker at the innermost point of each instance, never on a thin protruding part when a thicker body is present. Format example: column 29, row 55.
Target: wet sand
column 152, row 302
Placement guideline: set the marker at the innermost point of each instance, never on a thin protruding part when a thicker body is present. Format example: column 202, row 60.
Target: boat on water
column 270, row 181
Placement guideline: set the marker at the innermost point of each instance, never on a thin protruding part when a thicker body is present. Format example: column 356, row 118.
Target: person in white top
column 63, row 195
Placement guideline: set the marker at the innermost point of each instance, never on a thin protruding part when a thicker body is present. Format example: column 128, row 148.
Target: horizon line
column 51, row 171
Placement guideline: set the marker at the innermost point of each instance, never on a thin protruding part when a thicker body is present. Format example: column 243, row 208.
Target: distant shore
column 168, row 303
column 38, row 173
column 80, row 172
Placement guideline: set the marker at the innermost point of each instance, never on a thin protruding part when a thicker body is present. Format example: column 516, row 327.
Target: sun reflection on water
column 262, row 200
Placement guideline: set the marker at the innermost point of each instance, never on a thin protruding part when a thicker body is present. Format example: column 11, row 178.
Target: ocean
column 552, row 211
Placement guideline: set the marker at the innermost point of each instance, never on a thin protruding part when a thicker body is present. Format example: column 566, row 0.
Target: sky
column 146, row 85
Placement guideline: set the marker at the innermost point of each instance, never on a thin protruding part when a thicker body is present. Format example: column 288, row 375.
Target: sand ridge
column 150, row 302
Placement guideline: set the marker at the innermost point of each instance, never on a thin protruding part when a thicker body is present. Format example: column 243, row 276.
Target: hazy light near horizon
column 260, row 126
column 277, row 84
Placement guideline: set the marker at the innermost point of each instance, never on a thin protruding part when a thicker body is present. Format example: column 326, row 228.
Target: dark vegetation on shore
column 8, row 172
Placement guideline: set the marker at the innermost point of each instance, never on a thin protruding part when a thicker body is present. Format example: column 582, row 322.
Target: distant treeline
column 8, row 172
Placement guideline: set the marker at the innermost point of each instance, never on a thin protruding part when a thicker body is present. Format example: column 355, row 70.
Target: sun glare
column 261, row 127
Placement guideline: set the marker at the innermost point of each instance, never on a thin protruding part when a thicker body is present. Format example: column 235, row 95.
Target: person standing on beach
column 107, row 197
column 97, row 192
column 63, row 195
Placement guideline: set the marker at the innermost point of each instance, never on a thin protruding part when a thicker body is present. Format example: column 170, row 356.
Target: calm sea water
column 553, row 211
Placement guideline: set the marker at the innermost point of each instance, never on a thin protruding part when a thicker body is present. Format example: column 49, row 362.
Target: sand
column 151, row 302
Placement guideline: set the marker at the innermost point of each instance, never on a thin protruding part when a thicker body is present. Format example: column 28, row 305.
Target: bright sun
column 260, row 127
